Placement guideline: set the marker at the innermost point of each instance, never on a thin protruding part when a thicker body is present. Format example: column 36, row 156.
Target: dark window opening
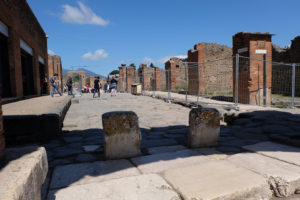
column 4, row 68
column 27, row 73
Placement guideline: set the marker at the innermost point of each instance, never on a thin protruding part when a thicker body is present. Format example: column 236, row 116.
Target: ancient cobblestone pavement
column 77, row 157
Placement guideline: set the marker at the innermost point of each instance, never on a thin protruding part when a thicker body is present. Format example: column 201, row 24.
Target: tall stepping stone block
column 204, row 127
column 122, row 135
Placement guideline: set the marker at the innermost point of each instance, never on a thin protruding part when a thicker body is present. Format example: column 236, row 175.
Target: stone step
column 160, row 162
column 278, row 151
column 218, row 179
column 145, row 187
column 76, row 174
column 284, row 178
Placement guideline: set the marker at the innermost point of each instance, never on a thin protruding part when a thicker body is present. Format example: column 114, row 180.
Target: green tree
column 114, row 72
column 76, row 78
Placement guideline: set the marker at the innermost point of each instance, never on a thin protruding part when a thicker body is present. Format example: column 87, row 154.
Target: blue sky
column 102, row 34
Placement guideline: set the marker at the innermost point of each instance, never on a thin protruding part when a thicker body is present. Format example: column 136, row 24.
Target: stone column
column 2, row 139
column 204, row 127
column 122, row 134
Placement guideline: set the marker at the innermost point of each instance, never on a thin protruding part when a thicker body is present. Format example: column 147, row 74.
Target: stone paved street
column 167, row 169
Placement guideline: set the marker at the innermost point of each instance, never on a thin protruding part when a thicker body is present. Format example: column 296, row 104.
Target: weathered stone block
column 122, row 134
column 24, row 173
column 204, row 127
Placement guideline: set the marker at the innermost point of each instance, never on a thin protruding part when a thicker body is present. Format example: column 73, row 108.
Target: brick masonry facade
column 23, row 25
column 176, row 68
column 251, row 70
column 81, row 74
column 282, row 74
column 216, row 76
column 55, row 67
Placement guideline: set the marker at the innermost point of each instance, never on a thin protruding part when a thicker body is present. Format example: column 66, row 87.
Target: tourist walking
column 70, row 85
column 113, row 86
column 97, row 86
column 54, row 82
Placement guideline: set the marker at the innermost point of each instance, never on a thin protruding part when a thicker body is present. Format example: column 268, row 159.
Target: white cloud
column 50, row 52
column 97, row 55
column 166, row 58
column 81, row 15
column 148, row 60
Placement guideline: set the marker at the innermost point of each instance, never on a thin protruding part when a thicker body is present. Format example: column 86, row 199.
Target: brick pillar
column 157, row 78
column 173, row 65
column 2, row 139
column 251, row 71
column 130, row 77
column 122, row 78
column 196, row 55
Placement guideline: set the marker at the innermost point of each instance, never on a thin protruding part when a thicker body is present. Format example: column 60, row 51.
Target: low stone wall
column 24, row 173
column 32, row 128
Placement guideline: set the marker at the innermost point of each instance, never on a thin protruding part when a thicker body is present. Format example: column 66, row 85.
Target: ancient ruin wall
column 55, row 67
column 216, row 77
column 282, row 74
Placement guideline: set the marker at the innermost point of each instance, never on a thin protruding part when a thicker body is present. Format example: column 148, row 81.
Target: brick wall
column 177, row 73
column 251, row 71
column 22, row 24
column 281, row 74
column 81, row 74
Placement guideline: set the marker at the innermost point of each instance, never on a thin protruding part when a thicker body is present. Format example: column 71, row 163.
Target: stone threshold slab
column 284, row 178
column 216, row 180
column 83, row 173
column 143, row 187
column 281, row 152
column 160, row 162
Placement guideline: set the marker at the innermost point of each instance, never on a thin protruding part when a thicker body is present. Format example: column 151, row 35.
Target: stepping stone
column 160, row 162
column 218, row 179
column 158, row 142
column 72, row 139
column 90, row 148
column 157, row 150
column 283, row 177
column 143, row 187
column 278, row 151
column 83, row 173
column 85, row 158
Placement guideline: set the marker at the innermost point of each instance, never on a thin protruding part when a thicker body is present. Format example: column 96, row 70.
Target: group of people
column 110, row 86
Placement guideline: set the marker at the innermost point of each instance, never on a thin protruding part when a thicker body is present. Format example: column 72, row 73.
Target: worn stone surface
column 278, row 151
column 143, row 187
column 218, row 179
column 122, row 135
column 165, row 149
column 160, row 162
column 284, row 178
column 212, row 153
column 24, row 173
column 77, row 174
column 158, row 142
column 204, row 129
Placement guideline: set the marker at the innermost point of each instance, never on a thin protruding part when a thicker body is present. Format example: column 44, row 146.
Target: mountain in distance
column 87, row 72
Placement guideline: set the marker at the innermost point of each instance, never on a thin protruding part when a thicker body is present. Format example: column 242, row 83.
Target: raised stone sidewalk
column 35, row 119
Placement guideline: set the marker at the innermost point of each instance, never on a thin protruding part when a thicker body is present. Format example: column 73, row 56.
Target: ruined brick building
column 23, row 50
column 282, row 74
column 151, row 78
column 214, row 76
column 55, row 67
column 177, row 70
